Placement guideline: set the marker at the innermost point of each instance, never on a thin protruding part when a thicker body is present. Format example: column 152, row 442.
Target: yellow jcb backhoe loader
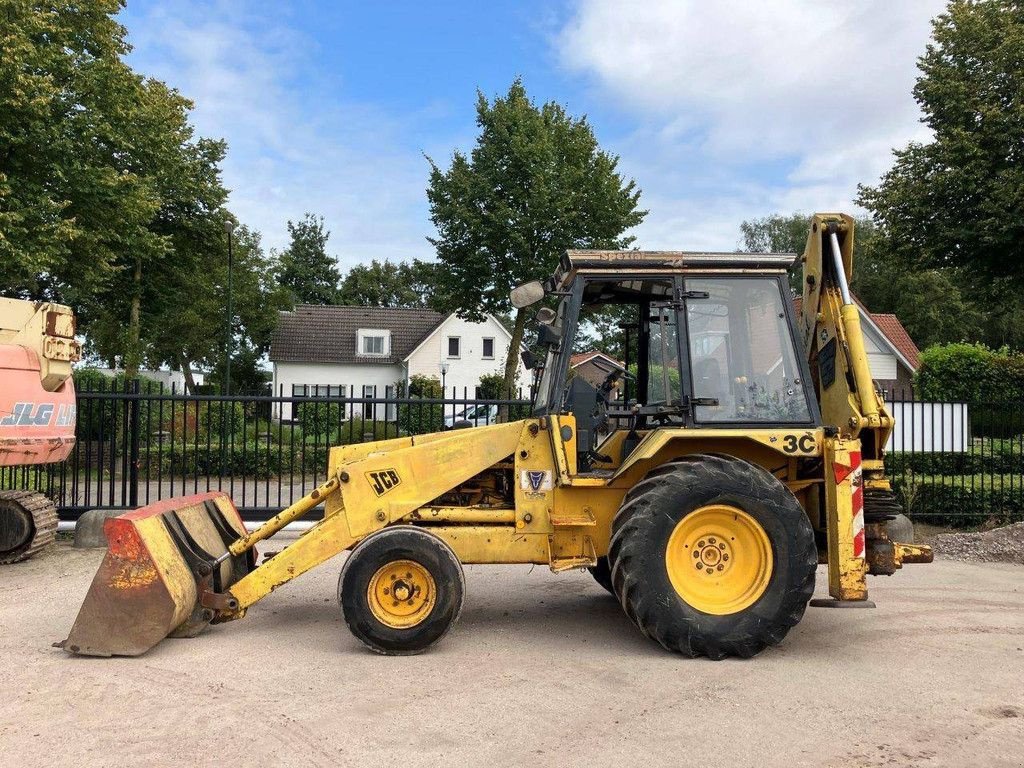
column 748, row 451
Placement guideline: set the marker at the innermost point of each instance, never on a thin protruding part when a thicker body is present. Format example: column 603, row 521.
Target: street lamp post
column 444, row 372
column 229, row 228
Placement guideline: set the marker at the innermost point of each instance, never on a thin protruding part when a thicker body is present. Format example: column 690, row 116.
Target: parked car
column 477, row 415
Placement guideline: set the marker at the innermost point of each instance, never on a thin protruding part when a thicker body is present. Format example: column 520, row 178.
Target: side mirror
column 527, row 294
column 529, row 359
column 546, row 316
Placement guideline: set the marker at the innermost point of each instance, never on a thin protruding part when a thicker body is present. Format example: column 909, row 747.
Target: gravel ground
column 1000, row 545
column 543, row 670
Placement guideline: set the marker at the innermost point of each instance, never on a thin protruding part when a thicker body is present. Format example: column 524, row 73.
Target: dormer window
column 373, row 342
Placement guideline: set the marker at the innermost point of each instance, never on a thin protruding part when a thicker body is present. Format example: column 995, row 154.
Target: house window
column 317, row 390
column 488, row 349
column 369, row 391
column 389, row 410
column 371, row 342
column 454, row 346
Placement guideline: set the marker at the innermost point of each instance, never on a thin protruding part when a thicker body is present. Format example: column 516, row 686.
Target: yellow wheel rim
column 719, row 559
column 401, row 594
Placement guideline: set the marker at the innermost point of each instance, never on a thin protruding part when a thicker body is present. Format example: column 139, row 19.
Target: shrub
column 242, row 459
column 970, row 373
column 357, row 431
column 197, row 420
column 415, row 418
column 985, row 456
column 421, row 418
column 103, row 418
column 967, row 500
column 319, row 419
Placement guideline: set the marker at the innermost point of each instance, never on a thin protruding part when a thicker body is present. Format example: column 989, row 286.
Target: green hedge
column 984, row 457
column 249, row 459
column 320, row 419
column 969, row 500
column 970, row 373
column 357, row 431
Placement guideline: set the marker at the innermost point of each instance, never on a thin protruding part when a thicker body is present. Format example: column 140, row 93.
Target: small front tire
column 401, row 590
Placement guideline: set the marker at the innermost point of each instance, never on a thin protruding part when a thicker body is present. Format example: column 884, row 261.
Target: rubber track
column 44, row 523
column 630, row 530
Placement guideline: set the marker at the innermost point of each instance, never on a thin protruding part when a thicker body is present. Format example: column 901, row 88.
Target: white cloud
column 761, row 107
column 291, row 149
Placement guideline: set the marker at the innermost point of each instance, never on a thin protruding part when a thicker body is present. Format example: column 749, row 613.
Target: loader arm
column 376, row 488
column 178, row 565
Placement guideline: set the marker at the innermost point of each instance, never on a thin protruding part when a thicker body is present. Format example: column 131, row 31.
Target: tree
column 108, row 199
column 535, row 184
column 188, row 315
column 147, row 287
column 74, row 193
column 306, row 270
column 389, row 284
column 955, row 201
column 787, row 233
column 932, row 304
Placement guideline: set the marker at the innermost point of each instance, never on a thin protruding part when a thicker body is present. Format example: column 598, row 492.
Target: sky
column 721, row 111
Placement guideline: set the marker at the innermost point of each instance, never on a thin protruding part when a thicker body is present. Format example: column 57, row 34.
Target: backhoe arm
column 850, row 402
column 833, row 338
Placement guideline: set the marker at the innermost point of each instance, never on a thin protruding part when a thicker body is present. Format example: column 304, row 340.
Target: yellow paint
column 320, row 543
column 661, row 444
column 401, row 594
column 719, row 559
column 132, row 574
column 847, row 575
column 286, row 516
column 167, row 560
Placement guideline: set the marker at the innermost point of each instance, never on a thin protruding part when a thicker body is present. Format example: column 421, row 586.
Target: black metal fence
column 950, row 463
column 141, row 443
column 956, row 463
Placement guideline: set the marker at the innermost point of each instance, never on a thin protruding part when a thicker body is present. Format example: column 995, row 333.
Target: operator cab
column 707, row 340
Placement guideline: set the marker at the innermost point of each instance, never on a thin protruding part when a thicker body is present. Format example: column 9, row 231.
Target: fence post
column 133, row 458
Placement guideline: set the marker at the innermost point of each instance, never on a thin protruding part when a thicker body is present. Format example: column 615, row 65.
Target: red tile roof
column 889, row 325
column 897, row 334
column 582, row 357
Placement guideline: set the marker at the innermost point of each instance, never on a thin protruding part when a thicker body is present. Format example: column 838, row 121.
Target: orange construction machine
column 37, row 416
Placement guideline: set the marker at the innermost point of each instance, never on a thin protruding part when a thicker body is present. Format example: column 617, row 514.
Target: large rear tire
column 28, row 523
column 713, row 556
column 401, row 590
column 602, row 574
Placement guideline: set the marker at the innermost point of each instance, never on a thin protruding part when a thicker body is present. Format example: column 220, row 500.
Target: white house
column 169, row 379
column 369, row 351
column 892, row 355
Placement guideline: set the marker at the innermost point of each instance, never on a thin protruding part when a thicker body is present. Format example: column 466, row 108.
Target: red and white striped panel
column 854, row 474
column 857, row 501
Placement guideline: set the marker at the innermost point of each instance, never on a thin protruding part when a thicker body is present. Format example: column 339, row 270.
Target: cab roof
column 668, row 262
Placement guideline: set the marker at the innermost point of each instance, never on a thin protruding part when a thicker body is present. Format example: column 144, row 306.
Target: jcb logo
column 383, row 480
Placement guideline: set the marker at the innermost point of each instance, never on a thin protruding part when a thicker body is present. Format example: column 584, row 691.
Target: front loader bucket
column 158, row 566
